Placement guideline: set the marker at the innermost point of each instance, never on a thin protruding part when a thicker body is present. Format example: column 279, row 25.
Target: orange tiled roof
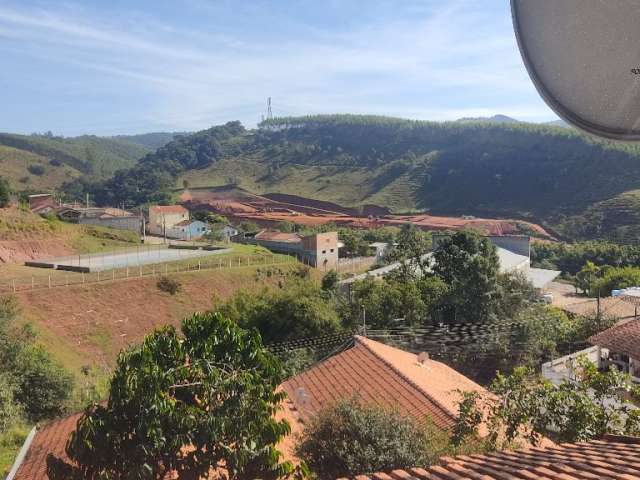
column 168, row 209
column 377, row 373
column 274, row 236
column 611, row 458
column 51, row 438
column 622, row 338
column 382, row 375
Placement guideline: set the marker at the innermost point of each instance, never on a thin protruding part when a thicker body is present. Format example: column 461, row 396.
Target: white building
column 617, row 346
column 164, row 217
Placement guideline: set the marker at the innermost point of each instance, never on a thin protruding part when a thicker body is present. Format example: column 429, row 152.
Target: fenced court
column 57, row 278
column 100, row 262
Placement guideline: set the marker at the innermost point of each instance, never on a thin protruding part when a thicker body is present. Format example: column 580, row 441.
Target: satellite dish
column 584, row 58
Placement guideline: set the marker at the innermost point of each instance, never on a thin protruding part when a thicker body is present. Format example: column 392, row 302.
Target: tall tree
column 5, row 193
column 187, row 404
column 469, row 265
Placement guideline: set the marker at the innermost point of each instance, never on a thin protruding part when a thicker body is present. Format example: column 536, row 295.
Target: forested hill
column 34, row 162
column 564, row 179
column 151, row 141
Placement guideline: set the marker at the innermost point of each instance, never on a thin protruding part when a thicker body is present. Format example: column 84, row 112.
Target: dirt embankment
column 98, row 320
column 25, row 236
column 17, row 251
column 270, row 209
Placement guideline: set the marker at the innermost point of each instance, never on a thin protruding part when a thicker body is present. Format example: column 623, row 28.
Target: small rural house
column 617, row 346
column 229, row 231
column 187, row 230
column 42, row 203
column 374, row 372
column 319, row 250
column 164, row 217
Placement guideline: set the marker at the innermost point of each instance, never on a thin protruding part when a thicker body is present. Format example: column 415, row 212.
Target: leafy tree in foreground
column 349, row 439
column 526, row 407
column 186, row 404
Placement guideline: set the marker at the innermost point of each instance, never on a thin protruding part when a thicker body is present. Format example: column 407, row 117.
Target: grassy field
column 91, row 155
column 15, row 166
column 10, row 443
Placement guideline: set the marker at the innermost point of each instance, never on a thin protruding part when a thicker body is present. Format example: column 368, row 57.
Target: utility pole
column 598, row 310
column 364, row 321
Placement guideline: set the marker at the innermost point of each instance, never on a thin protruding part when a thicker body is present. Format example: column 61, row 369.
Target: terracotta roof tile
column 613, row 458
column 168, row 209
column 51, row 438
column 378, row 373
column 385, row 376
column 622, row 338
column 275, row 236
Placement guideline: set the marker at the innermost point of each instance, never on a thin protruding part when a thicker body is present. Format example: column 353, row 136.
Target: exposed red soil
column 264, row 211
column 98, row 320
column 14, row 251
column 26, row 236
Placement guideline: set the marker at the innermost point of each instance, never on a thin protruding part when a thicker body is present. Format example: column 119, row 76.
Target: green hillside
column 151, row 141
column 555, row 176
column 58, row 159
column 18, row 166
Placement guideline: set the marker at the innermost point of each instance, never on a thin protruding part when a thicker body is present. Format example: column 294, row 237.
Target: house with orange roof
column 162, row 218
column 618, row 346
column 370, row 371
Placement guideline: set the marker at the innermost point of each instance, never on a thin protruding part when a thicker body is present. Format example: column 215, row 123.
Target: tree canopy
column 185, row 403
column 469, row 265
column 349, row 438
column 525, row 407
column 36, row 385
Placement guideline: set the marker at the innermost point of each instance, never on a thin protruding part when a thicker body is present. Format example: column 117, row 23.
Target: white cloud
column 200, row 76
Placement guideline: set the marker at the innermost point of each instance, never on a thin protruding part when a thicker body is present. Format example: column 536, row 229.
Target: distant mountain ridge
column 495, row 119
column 567, row 181
column 153, row 140
column 37, row 162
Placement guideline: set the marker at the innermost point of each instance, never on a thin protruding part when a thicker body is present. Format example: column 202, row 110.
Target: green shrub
column 349, row 439
column 615, row 278
column 169, row 285
column 5, row 193
column 36, row 169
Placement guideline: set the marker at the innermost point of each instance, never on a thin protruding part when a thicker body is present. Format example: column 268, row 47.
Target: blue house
column 188, row 230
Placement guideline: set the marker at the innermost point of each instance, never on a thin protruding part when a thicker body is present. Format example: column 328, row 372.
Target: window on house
column 324, row 251
column 331, row 250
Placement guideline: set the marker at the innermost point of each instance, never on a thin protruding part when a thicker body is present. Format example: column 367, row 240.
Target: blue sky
column 115, row 66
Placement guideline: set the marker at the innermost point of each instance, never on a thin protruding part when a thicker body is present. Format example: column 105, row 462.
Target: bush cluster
column 169, row 285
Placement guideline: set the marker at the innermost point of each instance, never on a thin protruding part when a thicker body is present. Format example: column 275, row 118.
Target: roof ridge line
column 406, row 378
